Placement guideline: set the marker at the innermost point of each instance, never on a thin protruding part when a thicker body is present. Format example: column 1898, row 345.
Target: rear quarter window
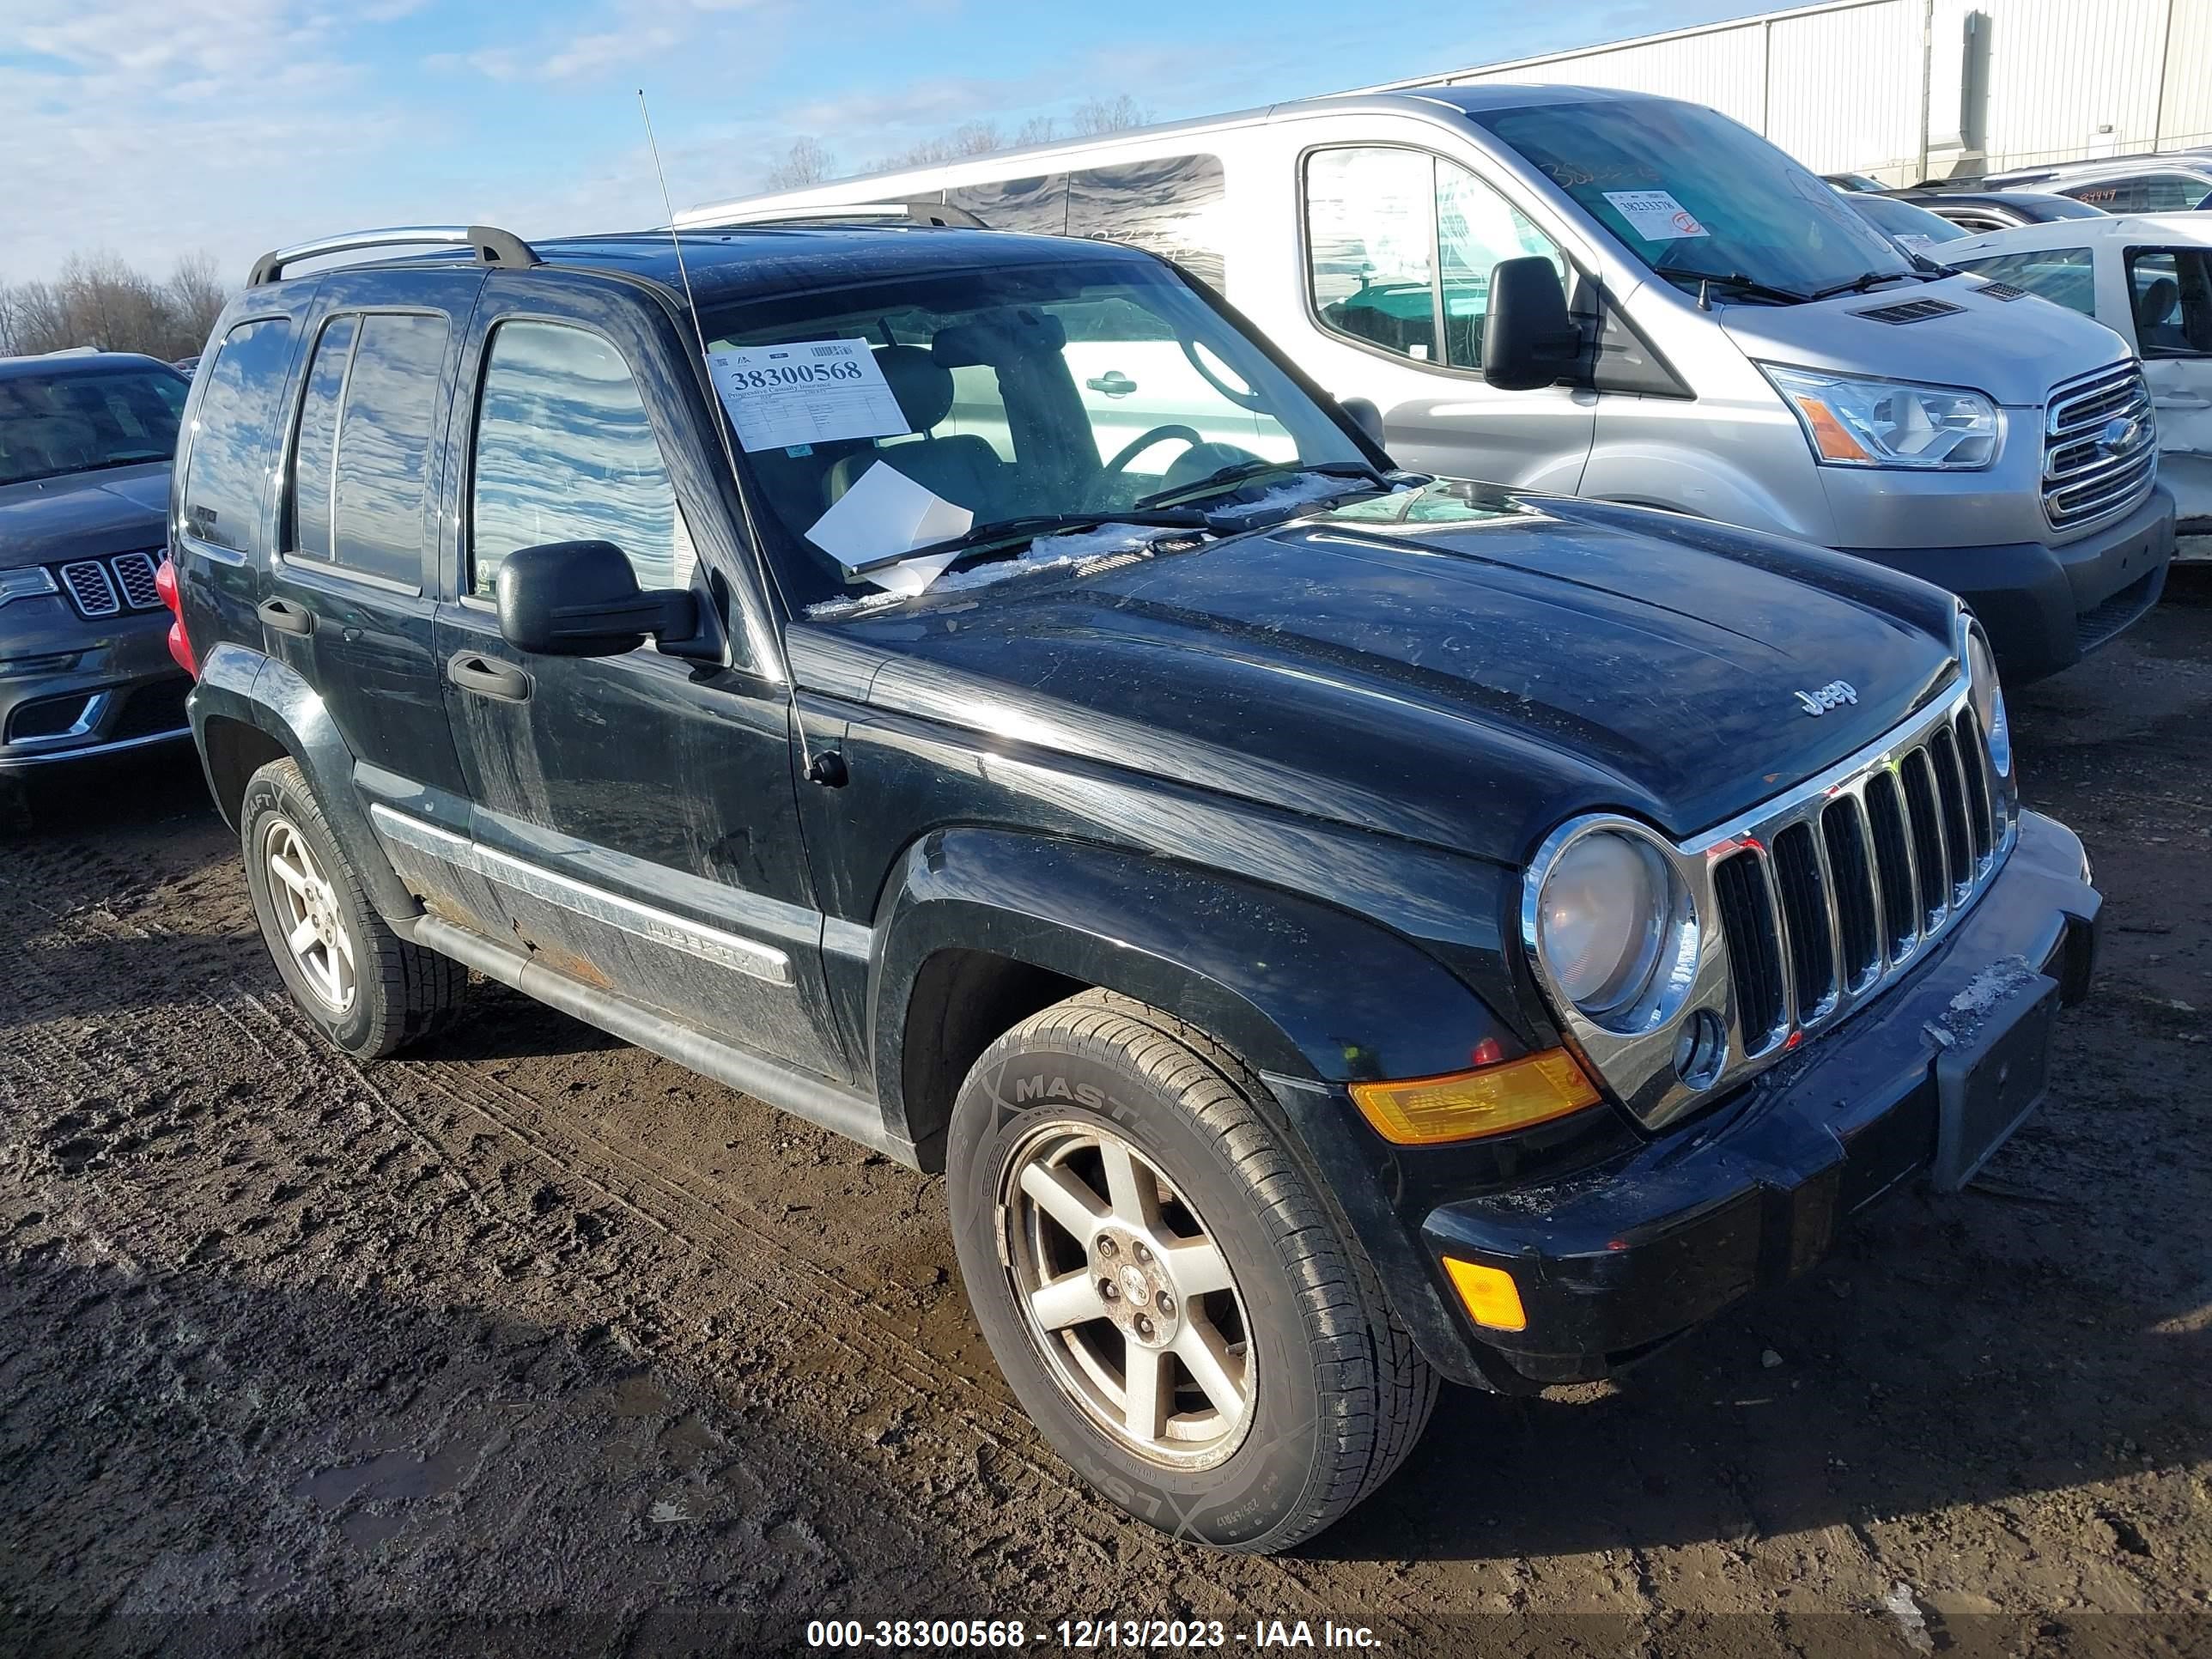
column 235, row 433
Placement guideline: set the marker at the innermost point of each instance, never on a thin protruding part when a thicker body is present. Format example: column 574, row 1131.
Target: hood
column 1458, row 665
column 1986, row 345
column 82, row 515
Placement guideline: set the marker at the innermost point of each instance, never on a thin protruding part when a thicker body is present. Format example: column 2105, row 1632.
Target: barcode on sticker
column 828, row 350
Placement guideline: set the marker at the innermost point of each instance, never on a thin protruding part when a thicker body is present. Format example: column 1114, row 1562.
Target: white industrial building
column 1906, row 89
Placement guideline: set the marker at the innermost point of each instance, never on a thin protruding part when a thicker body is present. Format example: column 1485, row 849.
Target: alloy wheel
column 310, row 917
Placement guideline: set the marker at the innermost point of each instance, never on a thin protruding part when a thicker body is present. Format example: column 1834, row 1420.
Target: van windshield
column 961, row 415
column 1695, row 198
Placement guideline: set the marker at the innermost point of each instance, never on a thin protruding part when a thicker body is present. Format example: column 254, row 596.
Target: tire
column 1333, row 1394
column 367, row 990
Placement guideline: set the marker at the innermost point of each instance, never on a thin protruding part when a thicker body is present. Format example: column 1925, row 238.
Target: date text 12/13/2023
column 1085, row 1634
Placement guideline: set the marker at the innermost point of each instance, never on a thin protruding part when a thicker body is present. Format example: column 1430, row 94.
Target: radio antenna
column 831, row 768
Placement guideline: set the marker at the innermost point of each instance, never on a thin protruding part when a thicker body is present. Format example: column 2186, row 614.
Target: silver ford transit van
column 1627, row 298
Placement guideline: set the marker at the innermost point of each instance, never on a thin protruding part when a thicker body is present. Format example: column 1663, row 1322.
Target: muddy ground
column 531, row 1341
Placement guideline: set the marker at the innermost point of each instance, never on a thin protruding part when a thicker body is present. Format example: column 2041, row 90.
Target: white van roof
column 898, row 184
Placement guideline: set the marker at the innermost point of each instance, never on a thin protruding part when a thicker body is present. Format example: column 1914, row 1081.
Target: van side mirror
column 1364, row 415
column 581, row 599
column 1528, row 341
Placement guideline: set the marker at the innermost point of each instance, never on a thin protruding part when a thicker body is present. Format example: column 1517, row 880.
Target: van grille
column 2086, row 474
column 1825, row 908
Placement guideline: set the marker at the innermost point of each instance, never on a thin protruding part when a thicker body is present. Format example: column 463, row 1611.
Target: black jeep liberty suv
column 1336, row 930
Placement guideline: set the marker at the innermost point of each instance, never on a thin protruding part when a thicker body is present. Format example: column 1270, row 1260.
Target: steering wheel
column 1145, row 440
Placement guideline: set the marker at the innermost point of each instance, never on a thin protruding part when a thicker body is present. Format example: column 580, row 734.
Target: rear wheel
column 1169, row 1295
column 369, row 990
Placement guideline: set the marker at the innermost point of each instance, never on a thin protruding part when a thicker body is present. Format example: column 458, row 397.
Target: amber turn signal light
column 1492, row 1299
column 1429, row 1110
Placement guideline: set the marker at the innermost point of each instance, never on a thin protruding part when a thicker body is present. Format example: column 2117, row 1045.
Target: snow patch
column 1962, row 1017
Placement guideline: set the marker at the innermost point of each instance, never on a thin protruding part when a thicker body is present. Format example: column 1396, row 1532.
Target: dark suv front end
column 85, row 443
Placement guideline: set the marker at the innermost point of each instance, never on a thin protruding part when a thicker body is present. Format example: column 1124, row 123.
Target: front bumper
column 2046, row 608
column 70, row 688
column 1614, row 1261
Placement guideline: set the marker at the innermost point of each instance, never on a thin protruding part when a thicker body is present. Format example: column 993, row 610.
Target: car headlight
column 1989, row 701
column 1851, row 420
column 1614, row 928
column 25, row 584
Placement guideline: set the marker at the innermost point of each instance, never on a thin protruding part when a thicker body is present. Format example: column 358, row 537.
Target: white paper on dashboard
column 883, row 513
column 1655, row 214
column 809, row 392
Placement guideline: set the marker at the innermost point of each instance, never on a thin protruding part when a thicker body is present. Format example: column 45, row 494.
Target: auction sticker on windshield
column 1655, row 214
column 810, row 392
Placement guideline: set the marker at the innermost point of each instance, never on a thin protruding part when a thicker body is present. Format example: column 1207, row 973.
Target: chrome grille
column 107, row 587
column 1803, row 907
column 2084, row 475
column 1826, row 900
column 90, row 588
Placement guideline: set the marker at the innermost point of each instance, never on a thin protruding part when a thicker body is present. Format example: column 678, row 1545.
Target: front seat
column 2155, row 309
column 961, row 468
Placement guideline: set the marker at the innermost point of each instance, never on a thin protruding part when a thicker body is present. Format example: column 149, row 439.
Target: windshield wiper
column 1859, row 285
column 1001, row 533
column 1228, row 477
column 1735, row 279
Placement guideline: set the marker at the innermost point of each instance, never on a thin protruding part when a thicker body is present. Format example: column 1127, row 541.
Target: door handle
column 286, row 617
column 488, row 676
column 1114, row 383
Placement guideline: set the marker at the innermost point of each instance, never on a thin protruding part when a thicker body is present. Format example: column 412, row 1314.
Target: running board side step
column 829, row 1105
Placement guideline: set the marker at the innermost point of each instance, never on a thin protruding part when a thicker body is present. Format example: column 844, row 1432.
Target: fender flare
column 253, row 689
column 1311, row 996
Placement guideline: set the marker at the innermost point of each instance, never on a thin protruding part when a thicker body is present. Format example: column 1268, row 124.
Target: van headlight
column 1851, row 420
column 1989, row 699
column 1611, row 925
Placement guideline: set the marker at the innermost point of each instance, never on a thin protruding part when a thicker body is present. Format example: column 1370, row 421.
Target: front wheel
column 1168, row 1295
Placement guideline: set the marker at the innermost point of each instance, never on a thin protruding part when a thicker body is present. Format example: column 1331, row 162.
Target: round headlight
column 1989, row 702
column 1602, row 919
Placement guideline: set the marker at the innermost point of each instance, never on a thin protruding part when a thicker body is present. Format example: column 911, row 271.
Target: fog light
column 1424, row 1111
column 1492, row 1299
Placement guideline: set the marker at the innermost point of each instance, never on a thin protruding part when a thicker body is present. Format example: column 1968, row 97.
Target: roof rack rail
column 921, row 213
column 490, row 245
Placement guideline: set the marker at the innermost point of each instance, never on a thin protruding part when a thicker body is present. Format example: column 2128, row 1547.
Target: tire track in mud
column 982, row 1478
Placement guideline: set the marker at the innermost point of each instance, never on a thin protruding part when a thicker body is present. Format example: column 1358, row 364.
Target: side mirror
column 581, row 599
column 1366, row 416
column 1529, row 340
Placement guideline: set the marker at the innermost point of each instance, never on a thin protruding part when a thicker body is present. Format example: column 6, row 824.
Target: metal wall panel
column 1845, row 87
column 2059, row 69
column 1725, row 69
column 2186, row 116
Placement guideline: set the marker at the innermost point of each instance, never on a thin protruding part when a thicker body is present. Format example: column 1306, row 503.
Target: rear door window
column 235, row 433
column 380, row 470
column 2171, row 289
column 2147, row 192
column 315, row 445
column 2064, row 276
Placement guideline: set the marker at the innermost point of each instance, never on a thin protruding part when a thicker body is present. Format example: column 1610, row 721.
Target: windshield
column 51, row 424
column 923, row 411
column 1914, row 229
column 1693, row 195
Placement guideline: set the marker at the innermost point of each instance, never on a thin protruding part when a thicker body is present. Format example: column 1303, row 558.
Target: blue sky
column 156, row 128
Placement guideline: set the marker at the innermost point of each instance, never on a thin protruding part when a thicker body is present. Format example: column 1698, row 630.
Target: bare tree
column 99, row 299
column 1038, row 130
column 1116, row 114
column 808, row 161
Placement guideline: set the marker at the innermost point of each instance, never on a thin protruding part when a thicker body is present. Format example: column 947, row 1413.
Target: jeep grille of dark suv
column 108, row 588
